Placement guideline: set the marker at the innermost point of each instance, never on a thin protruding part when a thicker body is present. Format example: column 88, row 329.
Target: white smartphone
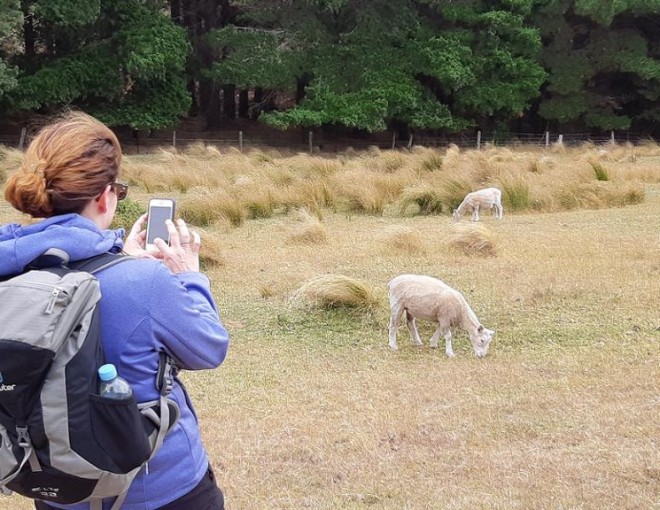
column 160, row 209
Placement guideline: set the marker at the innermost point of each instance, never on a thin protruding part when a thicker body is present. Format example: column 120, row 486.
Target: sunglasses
column 120, row 189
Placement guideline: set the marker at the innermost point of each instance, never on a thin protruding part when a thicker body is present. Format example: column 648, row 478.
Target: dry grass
column 472, row 239
column 308, row 229
column 401, row 240
column 332, row 291
column 9, row 159
column 312, row 410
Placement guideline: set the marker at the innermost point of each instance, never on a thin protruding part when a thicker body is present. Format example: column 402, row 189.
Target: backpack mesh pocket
column 8, row 462
column 119, row 431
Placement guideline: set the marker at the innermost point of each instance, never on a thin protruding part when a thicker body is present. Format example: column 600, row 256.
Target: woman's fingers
column 173, row 233
column 184, row 233
column 196, row 242
column 182, row 253
column 138, row 226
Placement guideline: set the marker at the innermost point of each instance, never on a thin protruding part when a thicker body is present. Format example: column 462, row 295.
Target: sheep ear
column 480, row 328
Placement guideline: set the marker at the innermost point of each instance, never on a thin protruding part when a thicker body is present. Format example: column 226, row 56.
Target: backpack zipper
column 53, row 299
column 54, row 295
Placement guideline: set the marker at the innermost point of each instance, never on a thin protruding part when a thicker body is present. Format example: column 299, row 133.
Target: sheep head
column 480, row 339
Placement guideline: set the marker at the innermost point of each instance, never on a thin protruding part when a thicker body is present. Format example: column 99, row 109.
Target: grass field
column 311, row 410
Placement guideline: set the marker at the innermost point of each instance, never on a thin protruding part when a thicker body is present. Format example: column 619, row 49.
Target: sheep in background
column 430, row 299
column 490, row 198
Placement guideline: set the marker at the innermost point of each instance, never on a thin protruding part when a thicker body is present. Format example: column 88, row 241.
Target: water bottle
column 113, row 386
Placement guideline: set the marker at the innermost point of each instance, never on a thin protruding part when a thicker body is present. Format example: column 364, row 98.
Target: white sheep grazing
column 430, row 299
column 490, row 198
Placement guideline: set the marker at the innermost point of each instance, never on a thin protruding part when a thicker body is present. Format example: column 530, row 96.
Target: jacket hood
column 78, row 236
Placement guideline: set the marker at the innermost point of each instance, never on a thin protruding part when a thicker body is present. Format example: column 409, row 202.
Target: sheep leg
column 394, row 325
column 436, row 337
column 448, row 348
column 475, row 213
column 412, row 327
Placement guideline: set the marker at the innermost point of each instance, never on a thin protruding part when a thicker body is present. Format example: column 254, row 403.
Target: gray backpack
column 60, row 441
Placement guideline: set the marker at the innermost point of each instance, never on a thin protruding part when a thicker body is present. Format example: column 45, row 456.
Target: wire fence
column 314, row 142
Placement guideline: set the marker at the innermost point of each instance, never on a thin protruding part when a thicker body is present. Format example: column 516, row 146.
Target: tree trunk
column 301, row 85
column 28, row 33
column 229, row 101
column 210, row 104
column 199, row 17
column 243, row 104
column 175, row 11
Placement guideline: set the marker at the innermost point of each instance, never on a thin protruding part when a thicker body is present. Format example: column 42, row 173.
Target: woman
column 156, row 302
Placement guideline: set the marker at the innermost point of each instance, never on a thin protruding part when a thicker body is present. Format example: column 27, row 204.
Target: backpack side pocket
column 119, row 431
column 8, row 461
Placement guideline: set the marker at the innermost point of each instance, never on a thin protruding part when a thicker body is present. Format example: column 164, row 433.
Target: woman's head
column 67, row 164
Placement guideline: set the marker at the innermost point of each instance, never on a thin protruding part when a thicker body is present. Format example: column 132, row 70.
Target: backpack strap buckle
column 167, row 371
column 23, row 437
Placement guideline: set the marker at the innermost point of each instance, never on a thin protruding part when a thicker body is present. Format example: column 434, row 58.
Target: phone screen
column 157, row 228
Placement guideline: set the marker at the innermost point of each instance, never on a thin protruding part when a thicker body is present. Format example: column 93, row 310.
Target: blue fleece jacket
column 144, row 309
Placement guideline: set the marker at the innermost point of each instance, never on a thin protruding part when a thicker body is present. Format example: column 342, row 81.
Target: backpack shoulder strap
column 56, row 258
column 99, row 262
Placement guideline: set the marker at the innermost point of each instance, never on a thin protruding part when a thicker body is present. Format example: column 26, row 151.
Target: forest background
column 336, row 66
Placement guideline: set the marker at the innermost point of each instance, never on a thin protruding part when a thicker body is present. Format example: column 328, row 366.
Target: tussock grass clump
column 472, row 239
column 629, row 194
column 163, row 173
column 310, row 233
column 541, row 164
column 516, row 195
column 259, row 204
column 452, row 192
column 364, row 192
column 336, row 291
column 499, row 154
column 425, row 197
column 392, row 161
column 311, row 194
column 210, row 251
column 204, row 209
column 195, row 149
column 400, row 240
column 602, row 174
column 261, row 157
column 432, row 162
column 10, row 160
column 309, row 230
column 323, row 167
column 598, row 195
column 617, row 195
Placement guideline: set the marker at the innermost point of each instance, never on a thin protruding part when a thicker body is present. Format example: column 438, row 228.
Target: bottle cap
column 107, row 372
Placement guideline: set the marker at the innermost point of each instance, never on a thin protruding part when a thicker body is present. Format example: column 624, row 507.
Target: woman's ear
column 103, row 200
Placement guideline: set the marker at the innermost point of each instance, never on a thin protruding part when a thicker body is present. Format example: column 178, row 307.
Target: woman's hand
column 182, row 254
column 135, row 243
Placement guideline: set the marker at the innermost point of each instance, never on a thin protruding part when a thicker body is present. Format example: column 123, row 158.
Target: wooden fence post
column 240, row 141
column 174, row 138
column 547, row 139
column 311, row 142
column 394, row 140
column 479, row 139
column 21, row 141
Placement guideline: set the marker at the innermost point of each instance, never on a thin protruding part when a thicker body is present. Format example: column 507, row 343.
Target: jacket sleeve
column 185, row 319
